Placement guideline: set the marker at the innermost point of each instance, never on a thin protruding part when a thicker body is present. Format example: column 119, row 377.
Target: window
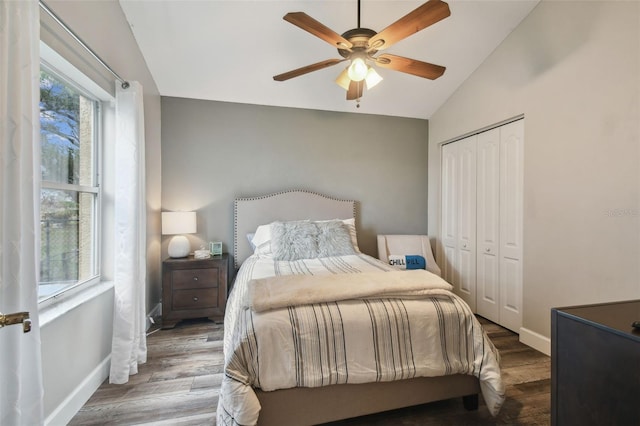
column 70, row 190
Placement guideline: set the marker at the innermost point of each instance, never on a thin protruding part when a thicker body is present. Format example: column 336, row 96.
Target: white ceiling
column 230, row 50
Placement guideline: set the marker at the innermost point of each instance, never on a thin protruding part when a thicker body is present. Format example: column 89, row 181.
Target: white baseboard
column 536, row 341
column 76, row 399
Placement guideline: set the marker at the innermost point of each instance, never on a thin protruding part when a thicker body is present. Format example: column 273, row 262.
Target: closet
column 481, row 221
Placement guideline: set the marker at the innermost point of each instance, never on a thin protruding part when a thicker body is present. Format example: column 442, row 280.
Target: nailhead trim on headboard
column 260, row 197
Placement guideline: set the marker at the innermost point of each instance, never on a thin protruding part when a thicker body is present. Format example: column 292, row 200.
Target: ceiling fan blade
column 307, row 23
column 309, row 68
column 410, row 66
column 355, row 90
column 422, row 17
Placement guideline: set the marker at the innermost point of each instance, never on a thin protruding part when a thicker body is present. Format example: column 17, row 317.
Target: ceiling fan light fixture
column 360, row 46
column 357, row 71
column 372, row 78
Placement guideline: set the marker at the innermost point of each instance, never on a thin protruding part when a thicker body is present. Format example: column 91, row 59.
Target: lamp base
column 179, row 246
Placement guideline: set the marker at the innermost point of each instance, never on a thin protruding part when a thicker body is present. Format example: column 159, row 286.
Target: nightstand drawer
column 195, row 278
column 194, row 299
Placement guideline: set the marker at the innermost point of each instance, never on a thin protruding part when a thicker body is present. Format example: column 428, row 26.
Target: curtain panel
column 21, row 391
column 129, row 344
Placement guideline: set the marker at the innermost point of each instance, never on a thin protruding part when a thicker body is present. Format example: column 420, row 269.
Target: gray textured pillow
column 334, row 239
column 294, row 240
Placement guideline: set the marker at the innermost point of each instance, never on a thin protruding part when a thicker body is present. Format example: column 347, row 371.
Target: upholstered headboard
column 249, row 213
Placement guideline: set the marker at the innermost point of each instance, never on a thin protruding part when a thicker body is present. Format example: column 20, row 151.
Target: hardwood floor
column 179, row 386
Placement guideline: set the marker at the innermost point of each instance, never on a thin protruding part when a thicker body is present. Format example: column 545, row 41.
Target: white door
column 488, row 223
column 458, row 217
column 467, row 221
column 449, row 216
column 511, row 212
column 21, row 392
column 482, row 184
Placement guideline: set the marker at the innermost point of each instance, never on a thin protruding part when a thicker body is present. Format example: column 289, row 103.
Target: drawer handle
column 195, row 299
column 195, row 278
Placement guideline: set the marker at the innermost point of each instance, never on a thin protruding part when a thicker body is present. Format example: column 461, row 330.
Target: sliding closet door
column 511, row 212
column 449, row 233
column 459, row 217
column 482, row 221
column 466, row 285
column 488, row 222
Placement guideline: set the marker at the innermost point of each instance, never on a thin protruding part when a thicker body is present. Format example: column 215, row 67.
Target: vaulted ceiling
column 230, row 50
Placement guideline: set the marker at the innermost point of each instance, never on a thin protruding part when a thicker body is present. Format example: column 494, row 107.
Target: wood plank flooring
column 179, row 385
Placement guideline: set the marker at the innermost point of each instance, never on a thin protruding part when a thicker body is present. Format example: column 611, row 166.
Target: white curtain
column 21, row 392
column 129, row 345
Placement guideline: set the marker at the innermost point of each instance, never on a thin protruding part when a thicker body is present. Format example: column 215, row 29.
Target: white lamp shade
column 372, row 78
column 174, row 223
column 343, row 79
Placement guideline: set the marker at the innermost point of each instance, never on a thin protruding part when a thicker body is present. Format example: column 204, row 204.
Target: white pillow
column 261, row 240
column 250, row 239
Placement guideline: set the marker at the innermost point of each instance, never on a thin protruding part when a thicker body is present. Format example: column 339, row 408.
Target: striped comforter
column 348, row 341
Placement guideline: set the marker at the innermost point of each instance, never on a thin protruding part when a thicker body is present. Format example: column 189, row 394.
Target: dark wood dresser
column 194, row 288
column 595, row 365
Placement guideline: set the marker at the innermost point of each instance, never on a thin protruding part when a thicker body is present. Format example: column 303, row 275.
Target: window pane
column 66, row 132
column 68, row 227
column 67, row 239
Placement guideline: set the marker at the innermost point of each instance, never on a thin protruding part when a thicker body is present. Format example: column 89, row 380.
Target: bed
column 316, row 331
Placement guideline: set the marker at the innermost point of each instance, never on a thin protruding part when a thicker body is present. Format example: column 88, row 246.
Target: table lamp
column 177, row 224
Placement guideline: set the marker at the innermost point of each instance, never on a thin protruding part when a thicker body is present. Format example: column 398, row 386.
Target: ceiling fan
column 360, row 45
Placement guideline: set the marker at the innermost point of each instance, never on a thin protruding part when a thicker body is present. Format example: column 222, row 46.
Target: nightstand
column 194, row 288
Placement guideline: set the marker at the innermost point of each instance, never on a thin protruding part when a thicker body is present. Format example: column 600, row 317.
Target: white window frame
column 82, row 290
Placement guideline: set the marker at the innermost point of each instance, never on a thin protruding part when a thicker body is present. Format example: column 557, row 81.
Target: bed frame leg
column 470, row 402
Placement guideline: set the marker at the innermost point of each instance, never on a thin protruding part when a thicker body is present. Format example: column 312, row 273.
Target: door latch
column 16, row 318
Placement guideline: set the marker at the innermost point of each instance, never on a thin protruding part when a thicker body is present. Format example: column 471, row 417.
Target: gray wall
column 77, row 343
column 573, row 69
column 213, row 152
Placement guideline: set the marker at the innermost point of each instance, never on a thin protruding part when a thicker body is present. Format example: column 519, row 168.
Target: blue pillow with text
column 409, row 261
